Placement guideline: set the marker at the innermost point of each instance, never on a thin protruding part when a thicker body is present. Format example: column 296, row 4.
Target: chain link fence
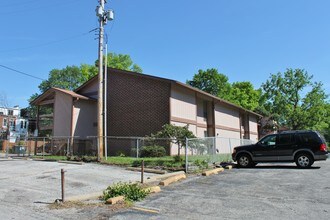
column 50, row 146
column 195, row 153
column 202, row 152
column 139, row 147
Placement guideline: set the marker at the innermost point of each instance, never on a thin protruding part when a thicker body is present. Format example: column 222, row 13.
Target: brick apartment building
column 139, row 104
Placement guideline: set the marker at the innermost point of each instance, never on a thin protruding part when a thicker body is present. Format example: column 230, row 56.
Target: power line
column 18, row 4
column 17, row 71
column 31, row 9
column 50, row 42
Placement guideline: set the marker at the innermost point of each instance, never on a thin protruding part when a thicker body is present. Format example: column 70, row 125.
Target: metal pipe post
column 137, row 148
column 142, row 171
column 62, row 183
column 68, row 147
column 186, row 155
column 43, row 149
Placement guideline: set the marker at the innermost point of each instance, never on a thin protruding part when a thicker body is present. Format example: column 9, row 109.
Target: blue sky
column 245, row 40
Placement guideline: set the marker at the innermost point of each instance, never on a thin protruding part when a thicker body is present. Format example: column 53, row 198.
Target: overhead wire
column 23, row 73
column 20, row 3
column 50, row 42
column 31, row 9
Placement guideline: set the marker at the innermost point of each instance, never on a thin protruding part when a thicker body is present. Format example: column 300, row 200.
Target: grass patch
column 50, row 157
column 131, row 161
column 168, row 161
column 68, row 158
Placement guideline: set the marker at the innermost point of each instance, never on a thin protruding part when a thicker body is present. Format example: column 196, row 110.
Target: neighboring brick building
column 140, row 104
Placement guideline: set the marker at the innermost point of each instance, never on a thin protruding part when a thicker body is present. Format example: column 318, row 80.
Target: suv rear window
column 309, row 138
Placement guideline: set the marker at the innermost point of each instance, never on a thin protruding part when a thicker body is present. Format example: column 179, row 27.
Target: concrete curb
column 229, row 167
column 46, row 160
column 70, row 162
column 159, row 177
column 144, row 209
column 147, row 170
column 115, row 200
column 172, row 179
column 6, row 158
column 214, row 171
column 153, row 189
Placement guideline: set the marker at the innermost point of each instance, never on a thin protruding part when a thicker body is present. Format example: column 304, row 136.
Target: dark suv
column 302, row 147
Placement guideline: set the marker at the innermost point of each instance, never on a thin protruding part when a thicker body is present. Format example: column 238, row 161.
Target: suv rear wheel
column 244, row 160
column 304, row 160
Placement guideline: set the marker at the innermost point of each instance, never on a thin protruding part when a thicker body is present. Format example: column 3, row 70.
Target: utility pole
column 103, row 16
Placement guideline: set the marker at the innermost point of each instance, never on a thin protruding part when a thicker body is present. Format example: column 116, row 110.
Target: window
column 25, row 124
column 12, row 125
column 22, row 124
column 5, row 122
column 308, row 138
column 205, row 109
column 269, row 140
column 286, row 139
column 10, row 112
column 1, row 113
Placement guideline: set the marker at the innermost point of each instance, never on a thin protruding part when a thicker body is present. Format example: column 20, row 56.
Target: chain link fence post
column 43, row 149
column 98, row 149
column 137, row 147
column 186, row 156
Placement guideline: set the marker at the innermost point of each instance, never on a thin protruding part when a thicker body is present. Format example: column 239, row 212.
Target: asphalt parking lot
column 269, row 191
column 27, row 187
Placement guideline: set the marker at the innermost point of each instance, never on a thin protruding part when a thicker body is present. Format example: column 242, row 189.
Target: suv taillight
column 323, row 147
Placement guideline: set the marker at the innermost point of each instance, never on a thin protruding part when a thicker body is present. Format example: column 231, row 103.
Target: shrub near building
column 153, row 151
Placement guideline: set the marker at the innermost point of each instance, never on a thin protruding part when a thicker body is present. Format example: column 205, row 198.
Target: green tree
column 176, row 134
column 244, row 95
column 70, row 77
column 288, row 100
column 211, row 81
column 88, row 71
column 122, row 62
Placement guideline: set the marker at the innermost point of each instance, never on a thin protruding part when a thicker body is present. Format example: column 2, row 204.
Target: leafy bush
column 132, row 192
column 153, row 151
column 202, row 164
column 178, row 159
column 138, row 163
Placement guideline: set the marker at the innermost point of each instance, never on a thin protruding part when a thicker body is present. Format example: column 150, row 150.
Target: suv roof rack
column 294, row 131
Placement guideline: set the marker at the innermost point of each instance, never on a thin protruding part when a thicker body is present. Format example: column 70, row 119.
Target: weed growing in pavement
column 131, row 191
